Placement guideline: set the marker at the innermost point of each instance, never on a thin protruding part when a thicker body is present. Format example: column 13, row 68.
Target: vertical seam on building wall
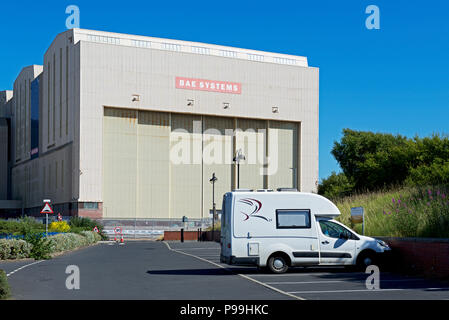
column 137, row 113
column 56, row 174
column 265, row 162
column 19, row 144
column 60, row 92
column 67, row 91
column 25, row 109
column 29, row 117
column 54, row 96
column 234, row 150
column 48, row 104
column 169, row 164
column 202, row 167
column 62, row 175
column 299, row 155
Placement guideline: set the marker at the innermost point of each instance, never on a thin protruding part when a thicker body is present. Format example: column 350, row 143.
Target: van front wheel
column 366, row 259
column 277, row 264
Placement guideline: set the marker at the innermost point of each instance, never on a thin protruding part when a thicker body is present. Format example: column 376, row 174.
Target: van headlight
column 382, row 243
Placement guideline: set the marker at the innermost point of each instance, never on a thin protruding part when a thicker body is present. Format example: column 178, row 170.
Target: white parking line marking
column 333, row 281
column 238, row 274
column 188, row 249
column 291, row 274
column 23, row 267
column 305, row 282
column 338, row 291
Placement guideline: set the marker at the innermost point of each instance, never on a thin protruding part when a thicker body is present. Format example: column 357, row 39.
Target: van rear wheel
column 277, row 264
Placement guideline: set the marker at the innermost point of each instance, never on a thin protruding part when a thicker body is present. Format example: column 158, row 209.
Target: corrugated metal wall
column 120, row 163
column 286, row 133
column 251, row 140
column 186, row 176
column 158, row 165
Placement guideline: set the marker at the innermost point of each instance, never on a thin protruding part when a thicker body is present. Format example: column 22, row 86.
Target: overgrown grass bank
column 401, row 212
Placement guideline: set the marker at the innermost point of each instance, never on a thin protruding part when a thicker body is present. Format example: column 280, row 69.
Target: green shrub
column 7, row 226
column 68, row 241
column 21, row 226
column 78, row 224
column 82, row 222
column 91, row 236
column 5, row 290
column 41, row 248
column 14, row 249
column 336, row 186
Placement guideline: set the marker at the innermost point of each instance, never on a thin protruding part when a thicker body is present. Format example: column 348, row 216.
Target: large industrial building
column 116, row 126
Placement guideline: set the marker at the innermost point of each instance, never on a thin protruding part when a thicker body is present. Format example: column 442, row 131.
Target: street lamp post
column 213, row 180
column 238, row 156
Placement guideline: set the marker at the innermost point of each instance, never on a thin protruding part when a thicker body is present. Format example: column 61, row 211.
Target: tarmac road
column 190, row 271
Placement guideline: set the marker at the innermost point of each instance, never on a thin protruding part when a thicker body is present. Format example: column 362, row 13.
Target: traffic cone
column 121, row 240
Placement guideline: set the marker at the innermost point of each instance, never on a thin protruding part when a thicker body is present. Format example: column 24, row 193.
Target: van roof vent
column 264, row 190
column 287, row 189
column 242, row 190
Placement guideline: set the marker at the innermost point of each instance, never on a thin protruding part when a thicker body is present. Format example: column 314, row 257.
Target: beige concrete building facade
column 133, row 127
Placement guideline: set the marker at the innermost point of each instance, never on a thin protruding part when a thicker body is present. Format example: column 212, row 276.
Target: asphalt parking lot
column 328, row 283
column 153, row 270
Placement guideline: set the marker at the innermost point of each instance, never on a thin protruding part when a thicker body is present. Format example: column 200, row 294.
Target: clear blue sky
column 393, row 80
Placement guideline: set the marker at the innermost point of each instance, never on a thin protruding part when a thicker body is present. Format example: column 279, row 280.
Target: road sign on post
column 358, row 216
column 46, row 209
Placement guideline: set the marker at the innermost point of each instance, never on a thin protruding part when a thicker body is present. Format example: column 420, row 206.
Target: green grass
column 401, row 212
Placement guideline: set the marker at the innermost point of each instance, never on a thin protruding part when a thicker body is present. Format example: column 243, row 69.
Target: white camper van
column 290, row 228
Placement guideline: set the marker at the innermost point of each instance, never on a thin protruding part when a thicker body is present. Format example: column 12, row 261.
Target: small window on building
column 91, row 205
column 292, row 218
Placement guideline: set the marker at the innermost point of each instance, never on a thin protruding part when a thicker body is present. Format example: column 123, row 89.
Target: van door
column 337, row 244
column 225, row 236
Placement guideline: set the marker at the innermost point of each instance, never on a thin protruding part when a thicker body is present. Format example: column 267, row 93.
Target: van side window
column 292, row 218
column 333, row 230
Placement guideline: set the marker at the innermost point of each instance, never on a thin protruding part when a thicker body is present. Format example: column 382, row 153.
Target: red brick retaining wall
column 426, row 256
column 191, row 235
column 176, row 235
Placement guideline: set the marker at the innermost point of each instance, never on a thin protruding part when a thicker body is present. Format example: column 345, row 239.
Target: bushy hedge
column 16, row 249
column 22, row 226
column 69, row 241
column 5, row 290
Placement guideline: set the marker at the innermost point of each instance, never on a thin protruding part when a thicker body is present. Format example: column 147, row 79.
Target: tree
column 374, row 160
column 336, row 186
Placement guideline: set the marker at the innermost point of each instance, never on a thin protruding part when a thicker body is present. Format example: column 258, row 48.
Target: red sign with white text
column 208, row 85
